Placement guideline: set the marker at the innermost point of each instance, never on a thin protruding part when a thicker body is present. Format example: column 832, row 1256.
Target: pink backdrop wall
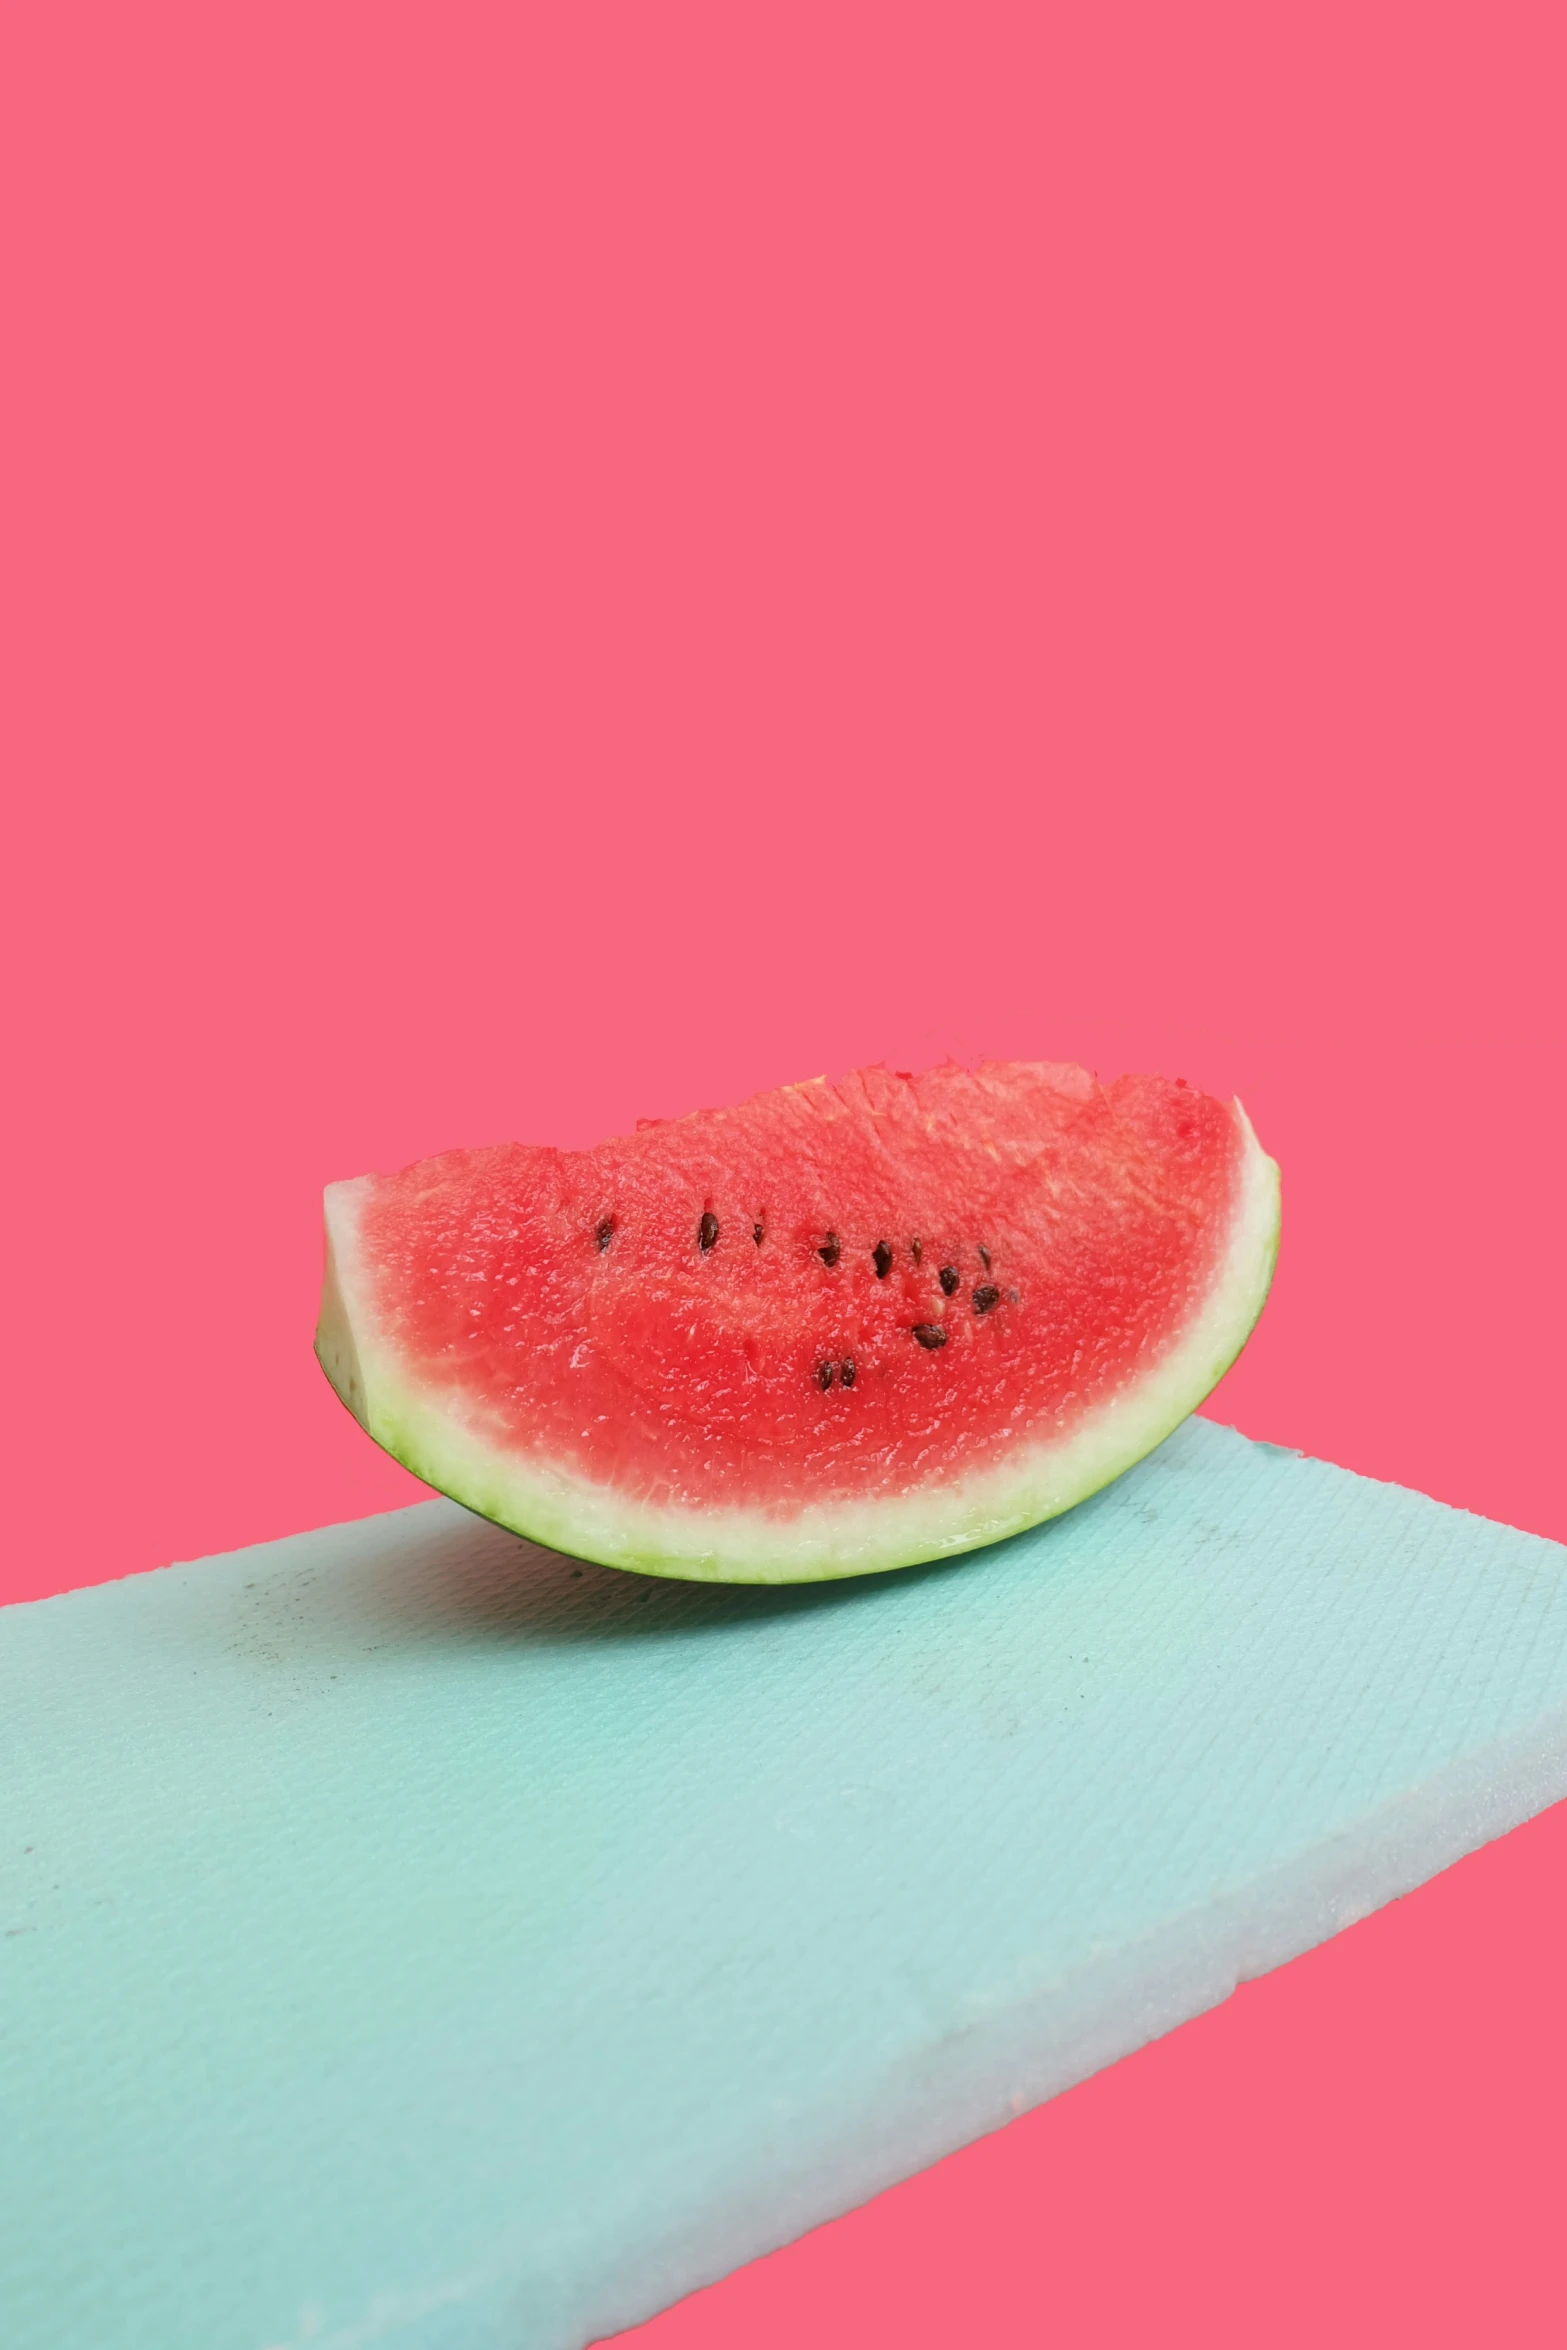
column 562, row 564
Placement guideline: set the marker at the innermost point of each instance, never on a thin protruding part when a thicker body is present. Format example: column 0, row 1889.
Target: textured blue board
column 414, row 1938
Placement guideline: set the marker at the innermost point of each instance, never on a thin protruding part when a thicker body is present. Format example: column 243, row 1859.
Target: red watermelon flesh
column 838, row 1327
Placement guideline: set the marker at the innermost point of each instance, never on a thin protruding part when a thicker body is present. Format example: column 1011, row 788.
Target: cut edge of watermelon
column 548, row 1503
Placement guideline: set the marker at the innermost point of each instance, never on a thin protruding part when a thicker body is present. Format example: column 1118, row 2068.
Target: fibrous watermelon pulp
column 840, row 1328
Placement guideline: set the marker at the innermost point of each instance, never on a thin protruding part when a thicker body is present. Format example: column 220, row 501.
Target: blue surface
column 412, row 1937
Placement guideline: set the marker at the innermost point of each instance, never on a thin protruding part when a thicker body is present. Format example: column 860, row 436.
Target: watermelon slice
column 837, row 1329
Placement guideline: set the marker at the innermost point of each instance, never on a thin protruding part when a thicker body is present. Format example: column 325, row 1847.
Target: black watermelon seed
column 756, row 1234
column 984, row 1258
column 830, row 1252
column 846, row 1372
column 605, row 1233
column 916, row 1249
column 707, row 1232
column 930, row 1334
column 881, row 1258
column 824, row 1376
column 985, row 1297
column 950, row 1277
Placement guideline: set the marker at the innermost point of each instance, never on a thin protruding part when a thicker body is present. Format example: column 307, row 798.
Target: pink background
column 571, row 562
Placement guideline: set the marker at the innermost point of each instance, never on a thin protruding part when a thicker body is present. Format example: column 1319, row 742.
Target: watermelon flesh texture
column 838, row 1328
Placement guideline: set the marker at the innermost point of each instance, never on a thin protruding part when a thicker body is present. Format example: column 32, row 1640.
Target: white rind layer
column 444, row 1441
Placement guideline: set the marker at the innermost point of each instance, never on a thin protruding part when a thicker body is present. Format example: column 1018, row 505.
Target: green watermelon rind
column 444, row 1442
